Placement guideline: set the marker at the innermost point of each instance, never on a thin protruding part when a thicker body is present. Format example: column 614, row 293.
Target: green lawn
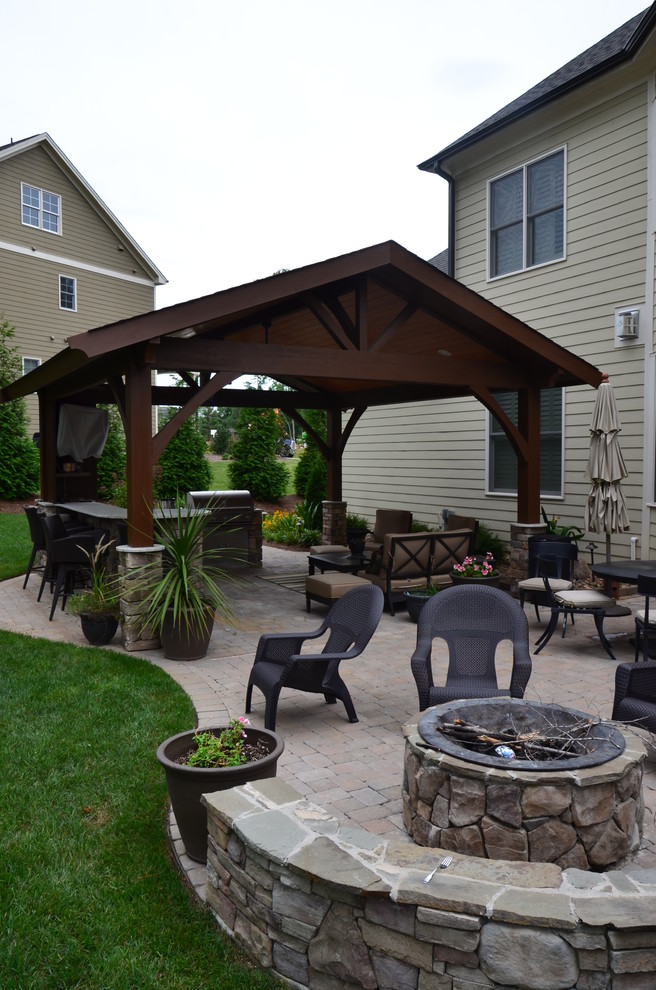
column 221, row 478
column 88, row 896
column 15, row 545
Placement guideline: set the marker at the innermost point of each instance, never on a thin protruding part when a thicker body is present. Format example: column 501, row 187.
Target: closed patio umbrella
column 605, row 510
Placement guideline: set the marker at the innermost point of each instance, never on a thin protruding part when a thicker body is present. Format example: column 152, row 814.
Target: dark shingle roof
column 441, row 261
column 617, row 47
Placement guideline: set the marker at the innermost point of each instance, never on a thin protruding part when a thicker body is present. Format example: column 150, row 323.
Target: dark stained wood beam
column 320, row 362
column 194, row 400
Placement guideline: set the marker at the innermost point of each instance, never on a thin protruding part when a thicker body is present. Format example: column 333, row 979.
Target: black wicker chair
column 38, row 540
column 66, row 556
column 279, row 663
column 635, row 694
column 472, row 620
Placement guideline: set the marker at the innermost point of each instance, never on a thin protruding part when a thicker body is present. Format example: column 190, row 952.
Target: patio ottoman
column 327, row 588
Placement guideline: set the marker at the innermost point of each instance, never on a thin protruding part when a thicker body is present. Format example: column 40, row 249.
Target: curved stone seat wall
column 328, row 906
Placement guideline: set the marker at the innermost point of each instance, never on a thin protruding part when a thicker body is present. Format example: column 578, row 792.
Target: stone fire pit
column 584, row 810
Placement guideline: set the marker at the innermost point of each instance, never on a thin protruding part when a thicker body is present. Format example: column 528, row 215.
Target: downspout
column 451, row 237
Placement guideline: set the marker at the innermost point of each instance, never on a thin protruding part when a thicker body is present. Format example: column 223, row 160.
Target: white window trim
column 46, row 230
column 488, row 481
column 67, row 309
column 27, row 357
column 525, row 166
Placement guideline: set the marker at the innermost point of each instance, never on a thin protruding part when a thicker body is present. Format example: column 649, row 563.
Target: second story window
column 527, row 216
column 29, row 364
column 67, row 293
column 40, row 208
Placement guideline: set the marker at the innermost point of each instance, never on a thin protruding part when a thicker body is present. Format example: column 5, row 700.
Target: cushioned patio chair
column 559, row 572
column 635, row 694
column 568, row 604
column 387, row 521
column 279, row 662
column 472, row 621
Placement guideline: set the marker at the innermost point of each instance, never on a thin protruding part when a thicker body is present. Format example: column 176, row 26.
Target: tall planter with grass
column 98, row 606
column 183, row 603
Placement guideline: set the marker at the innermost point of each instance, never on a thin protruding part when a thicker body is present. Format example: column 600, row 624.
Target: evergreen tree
column 183, row 465
column 111, row 464
column 253, row 464
column 19, row 457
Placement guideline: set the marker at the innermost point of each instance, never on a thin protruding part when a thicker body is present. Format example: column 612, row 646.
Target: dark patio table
column 345, row 563
column 625, row 571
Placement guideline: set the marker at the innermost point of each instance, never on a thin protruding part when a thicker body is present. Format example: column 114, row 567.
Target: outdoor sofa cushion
column 393, row 521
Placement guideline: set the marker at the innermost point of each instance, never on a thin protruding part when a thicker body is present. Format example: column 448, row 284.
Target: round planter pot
column 98, row 629
column 182, row 643
column 491, row 582
column 415, row 601
column 186, row 784
column 355, row 540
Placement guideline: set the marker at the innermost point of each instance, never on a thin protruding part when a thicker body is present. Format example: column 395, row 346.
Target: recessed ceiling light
column 444, row 353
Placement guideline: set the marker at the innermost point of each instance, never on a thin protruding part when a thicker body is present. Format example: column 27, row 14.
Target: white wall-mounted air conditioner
column 627, row 323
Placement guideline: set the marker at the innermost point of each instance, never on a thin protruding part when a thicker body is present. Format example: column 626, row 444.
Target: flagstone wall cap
column 303, row 837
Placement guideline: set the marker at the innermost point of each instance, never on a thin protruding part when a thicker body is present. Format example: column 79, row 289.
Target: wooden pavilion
column 374, row 327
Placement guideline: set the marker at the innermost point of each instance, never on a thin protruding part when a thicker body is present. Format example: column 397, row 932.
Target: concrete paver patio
column 353, row 770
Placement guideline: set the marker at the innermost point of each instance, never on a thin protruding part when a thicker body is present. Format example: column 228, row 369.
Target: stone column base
column 519, row 535
column 131, row 564
column 334, row 523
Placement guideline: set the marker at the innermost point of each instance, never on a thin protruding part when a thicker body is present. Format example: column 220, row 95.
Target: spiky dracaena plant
column 190, row 583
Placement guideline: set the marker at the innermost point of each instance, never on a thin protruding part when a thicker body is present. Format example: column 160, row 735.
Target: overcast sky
column 235, row 138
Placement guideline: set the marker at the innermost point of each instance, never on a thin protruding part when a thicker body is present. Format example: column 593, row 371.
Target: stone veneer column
column 334, row 523
column 519, row 534
column 132, row 562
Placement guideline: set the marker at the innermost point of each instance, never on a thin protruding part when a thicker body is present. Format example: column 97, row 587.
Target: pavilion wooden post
column 528, row 467
column 139, row 445
column 334, row 465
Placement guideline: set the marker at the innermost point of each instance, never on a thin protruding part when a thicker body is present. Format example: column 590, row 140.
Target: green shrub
column 253, row 465
column 489, row 542
column 354, row 521
column 289, row 529
column 315, row 489
column 183, row 464
column 111, row 464
column 222, row 438
column 418, row 526
column 19, row 457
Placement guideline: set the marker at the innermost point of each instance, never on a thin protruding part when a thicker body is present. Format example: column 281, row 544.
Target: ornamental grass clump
column 103, row 597
column 230, row 748
column 476, row 567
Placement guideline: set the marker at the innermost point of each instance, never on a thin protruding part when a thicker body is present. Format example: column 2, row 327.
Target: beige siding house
column 66, row 263
column 553, row 219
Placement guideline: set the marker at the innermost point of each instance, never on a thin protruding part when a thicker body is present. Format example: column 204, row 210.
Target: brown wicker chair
column 279, row 663
column 472, row 620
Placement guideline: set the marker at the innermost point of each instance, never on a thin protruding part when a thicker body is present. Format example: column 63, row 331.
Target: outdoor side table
column 345, row 563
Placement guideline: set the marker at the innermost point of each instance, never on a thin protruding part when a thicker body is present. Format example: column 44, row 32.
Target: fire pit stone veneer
column 586, row 817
